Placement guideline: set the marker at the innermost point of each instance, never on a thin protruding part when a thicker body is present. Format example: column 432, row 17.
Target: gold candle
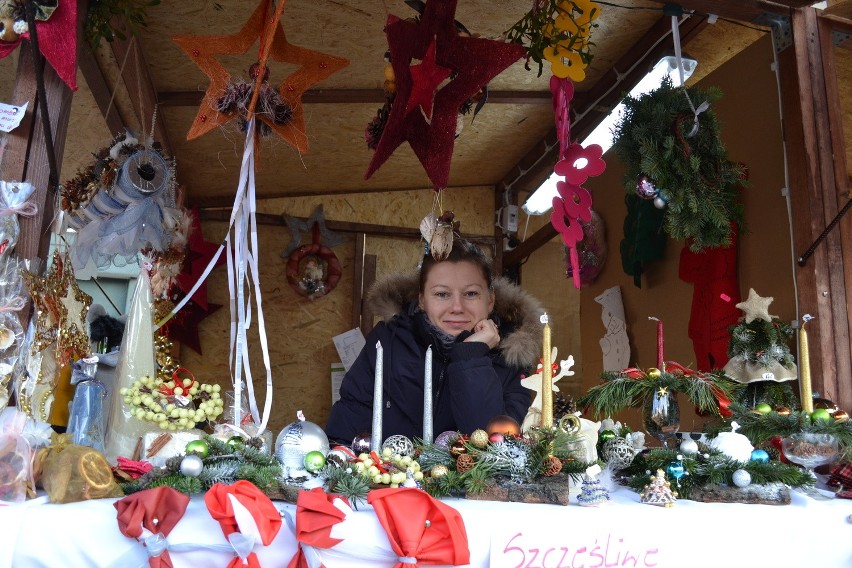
column 805, row 388
column 546, row 379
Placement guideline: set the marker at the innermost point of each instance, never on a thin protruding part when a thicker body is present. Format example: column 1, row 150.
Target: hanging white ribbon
column 242, row 261
column 679, row 62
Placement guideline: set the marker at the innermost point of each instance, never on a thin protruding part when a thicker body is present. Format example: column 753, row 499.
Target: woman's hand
column 486, row 332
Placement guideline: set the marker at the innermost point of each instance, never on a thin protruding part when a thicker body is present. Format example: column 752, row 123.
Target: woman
column 484, row 334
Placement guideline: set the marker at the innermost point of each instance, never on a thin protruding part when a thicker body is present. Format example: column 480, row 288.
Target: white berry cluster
column 173, row 405
column 397, row 467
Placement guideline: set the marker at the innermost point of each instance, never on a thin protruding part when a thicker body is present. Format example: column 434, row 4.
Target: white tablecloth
column 622, row 533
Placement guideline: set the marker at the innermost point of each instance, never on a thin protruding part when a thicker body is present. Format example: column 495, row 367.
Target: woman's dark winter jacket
column 470, row 384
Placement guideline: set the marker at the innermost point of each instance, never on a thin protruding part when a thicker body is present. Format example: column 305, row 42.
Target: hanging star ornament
column 61, row 310
column 313, row 67
column 756, row 307
column 473, row 62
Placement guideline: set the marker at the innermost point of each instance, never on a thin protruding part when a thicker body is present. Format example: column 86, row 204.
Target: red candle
column 660, row 362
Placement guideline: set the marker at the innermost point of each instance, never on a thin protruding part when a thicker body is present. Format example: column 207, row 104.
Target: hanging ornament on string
column 437, row 232
column 646, row 189
column 576, row 164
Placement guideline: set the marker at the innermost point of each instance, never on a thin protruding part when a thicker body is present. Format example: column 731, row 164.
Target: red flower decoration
column 581, row 163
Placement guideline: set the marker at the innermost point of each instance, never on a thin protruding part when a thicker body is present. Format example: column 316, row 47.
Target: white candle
column 376, row 434
column 427, row 398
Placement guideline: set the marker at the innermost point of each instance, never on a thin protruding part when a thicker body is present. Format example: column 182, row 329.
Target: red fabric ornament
column 157, row 510
column 421, row 527
column 475, row 61
column 198, row 255
column 183, row 327
column 577, row 164
column 425, row 79
column 135, row 469
column 57, row 40
column 315, row 516
column 265, row 515
column 716, row 294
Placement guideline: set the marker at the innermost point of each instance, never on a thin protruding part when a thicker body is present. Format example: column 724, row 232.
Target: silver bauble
column 618, row 452
column 445, row 438
column 296, row 440
column 337, row 458
column 191, row 465
column 399, row 444
column 659, row 202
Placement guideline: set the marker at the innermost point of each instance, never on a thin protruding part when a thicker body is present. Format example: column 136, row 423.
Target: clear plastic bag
column 88, row 408
column 19, row 437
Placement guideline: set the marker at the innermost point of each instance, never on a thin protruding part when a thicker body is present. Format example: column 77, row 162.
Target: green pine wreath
column 700, row 184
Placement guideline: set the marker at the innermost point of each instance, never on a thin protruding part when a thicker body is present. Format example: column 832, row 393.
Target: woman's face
column 456, row 296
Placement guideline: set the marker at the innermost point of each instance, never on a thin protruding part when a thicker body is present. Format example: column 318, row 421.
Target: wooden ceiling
column 122, row 81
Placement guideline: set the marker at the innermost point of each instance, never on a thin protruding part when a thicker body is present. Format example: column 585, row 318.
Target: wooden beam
column 222, row 214
column 103, row 95
column 358, row 96
column 591, row 107
column 140, row 87
column 213, row 202
column 810, row 105
column 743, row 10
column 529, row 246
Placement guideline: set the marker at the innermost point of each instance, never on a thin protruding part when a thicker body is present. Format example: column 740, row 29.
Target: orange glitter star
column 313, row 67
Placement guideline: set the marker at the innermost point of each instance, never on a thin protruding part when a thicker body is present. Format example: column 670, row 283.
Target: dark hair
column 462, row 251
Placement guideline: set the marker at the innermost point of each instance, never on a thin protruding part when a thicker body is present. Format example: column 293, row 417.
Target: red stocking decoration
column 714, row 301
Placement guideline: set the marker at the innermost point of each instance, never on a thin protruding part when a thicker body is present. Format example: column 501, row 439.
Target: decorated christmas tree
column 760, row 356
column 592, row 493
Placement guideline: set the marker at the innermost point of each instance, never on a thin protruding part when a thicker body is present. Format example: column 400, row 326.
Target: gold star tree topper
column 756, row 307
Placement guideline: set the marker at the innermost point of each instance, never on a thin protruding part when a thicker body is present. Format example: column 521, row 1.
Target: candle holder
column 661, row 415
column 810, row 450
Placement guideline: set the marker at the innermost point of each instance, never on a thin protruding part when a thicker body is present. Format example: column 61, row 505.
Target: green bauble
column 198, row 447
column 314, row 461
column 236, row 442
column 605, row 436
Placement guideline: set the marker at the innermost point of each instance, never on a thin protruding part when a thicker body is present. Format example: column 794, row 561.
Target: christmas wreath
column 313, row 270
column 683, row 169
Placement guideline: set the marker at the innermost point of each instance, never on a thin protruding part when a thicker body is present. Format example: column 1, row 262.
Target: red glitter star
column 426, row 77
column 474, row 61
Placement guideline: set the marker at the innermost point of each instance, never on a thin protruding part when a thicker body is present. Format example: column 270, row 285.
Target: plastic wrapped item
column 71, row 473
column 88, row 412
column 13, row 202
column 136, row 360
column 11, row 332
column 19, row 436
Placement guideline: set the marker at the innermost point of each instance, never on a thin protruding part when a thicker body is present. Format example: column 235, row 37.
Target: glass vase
column 661, row 415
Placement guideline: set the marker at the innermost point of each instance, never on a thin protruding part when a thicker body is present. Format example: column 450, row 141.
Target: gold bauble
column 479, row 438
column 503, row 424
column 783, row 411
column 841, row 416
column 439, row 470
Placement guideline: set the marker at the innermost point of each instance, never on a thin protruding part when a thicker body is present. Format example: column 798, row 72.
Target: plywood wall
column 300, row 331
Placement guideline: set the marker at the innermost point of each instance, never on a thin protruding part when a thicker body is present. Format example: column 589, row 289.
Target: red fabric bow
column 421, row 527
column 315, row 515
column 722, row 401
column 265, row 515
column 157, row 510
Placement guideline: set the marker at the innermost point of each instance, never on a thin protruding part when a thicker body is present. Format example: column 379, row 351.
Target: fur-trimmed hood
column 518, row 311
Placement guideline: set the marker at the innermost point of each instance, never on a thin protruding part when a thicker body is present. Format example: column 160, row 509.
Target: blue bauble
column 760, row 456
column 675, row 470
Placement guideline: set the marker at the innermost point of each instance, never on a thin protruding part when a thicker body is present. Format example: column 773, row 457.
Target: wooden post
column 815, row 155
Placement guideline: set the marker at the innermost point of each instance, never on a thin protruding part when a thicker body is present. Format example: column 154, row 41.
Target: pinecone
column 563, row 405
column 464, row 463
column 553, row 466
